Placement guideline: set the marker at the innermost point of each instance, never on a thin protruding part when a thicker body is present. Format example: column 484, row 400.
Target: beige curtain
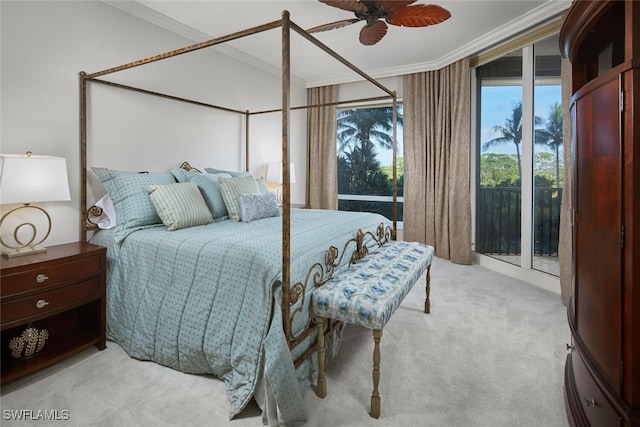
column 322, row 182
column 437, row 205
column 565, row 244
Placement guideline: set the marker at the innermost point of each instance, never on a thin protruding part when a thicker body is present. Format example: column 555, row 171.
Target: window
column 519, row 169
column 365, row 159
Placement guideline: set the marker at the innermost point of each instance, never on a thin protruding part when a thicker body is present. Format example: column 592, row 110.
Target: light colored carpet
column 490, row 354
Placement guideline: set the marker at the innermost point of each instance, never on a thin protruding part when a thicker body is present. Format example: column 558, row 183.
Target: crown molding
column 539, row 16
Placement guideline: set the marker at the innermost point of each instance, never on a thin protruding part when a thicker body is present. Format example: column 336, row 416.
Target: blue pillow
column 258, row 206
column 232, row 173
column 209, row 187
column 128, row 191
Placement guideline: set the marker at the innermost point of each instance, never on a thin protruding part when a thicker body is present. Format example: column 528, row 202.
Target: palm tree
column 552, row 136
column 356, row 126
column 511, row 131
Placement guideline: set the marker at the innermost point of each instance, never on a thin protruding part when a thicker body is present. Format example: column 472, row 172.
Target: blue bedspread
column 207, row 299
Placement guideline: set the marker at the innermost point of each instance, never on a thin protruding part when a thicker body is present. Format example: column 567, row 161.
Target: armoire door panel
column 598, row 227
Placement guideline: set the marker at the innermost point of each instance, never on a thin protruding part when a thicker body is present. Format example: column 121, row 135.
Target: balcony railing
column 370, row 203
column 499, row 220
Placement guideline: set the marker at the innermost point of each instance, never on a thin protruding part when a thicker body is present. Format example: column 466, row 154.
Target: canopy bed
column 205, row 298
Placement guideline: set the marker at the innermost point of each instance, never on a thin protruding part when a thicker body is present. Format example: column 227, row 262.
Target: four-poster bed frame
column 321, row 271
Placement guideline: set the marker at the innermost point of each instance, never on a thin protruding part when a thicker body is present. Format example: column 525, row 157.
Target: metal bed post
column 286, row 206
column 395, row 167
column 247, row 114
column 83, row 155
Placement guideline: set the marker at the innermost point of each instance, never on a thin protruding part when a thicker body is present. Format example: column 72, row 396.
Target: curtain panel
column 322, row 182
column 437, row 205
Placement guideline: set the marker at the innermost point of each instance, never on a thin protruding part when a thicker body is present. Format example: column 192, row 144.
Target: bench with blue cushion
column 367, row 294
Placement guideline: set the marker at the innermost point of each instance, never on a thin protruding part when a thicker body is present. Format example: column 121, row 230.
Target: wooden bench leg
column 375, row 396
column 427, row 302
column 321, row 389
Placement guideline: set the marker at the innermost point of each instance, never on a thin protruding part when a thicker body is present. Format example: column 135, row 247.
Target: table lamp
column 274, row 177
column 30, row 179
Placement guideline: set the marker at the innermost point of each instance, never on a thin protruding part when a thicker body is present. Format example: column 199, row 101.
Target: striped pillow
column 179, row 205
column 209, row 187
column 231, row 188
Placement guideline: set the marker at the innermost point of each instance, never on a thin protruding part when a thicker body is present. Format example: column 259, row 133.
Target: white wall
column 45, row 44
column 365, row 89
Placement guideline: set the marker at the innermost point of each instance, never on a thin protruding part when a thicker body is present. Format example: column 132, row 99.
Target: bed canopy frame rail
column 290, row 295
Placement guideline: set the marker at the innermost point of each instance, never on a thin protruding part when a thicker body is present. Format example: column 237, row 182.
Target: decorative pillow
column 128, row 192
column 262, row 185
column 180, row 205
column 258, row 206
column 232, row 173
column 231, row 189
column 208, row 185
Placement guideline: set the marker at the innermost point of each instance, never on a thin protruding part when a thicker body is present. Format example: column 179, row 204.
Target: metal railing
column 498, row 220
column 370, row 203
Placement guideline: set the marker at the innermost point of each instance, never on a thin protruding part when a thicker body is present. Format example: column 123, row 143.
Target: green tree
column 362, row 172
column 359, row 132
column 499, row 170
column 545, row 168
column 511, row 131
column 552, row 136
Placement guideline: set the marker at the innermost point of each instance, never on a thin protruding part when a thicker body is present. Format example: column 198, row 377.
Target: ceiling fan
column 394, row 12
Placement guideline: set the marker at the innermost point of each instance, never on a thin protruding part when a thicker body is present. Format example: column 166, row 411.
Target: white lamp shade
column 31, row 179
column 274, row 173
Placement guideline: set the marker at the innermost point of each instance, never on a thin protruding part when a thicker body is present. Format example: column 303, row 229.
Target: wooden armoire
column 602, row 373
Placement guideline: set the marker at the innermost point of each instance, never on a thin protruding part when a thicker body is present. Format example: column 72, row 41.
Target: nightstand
column 52, row 306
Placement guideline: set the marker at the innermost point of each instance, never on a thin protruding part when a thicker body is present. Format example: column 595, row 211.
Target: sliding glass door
column 519, row 157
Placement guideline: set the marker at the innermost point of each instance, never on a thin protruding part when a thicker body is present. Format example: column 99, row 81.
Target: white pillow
column 109, row 213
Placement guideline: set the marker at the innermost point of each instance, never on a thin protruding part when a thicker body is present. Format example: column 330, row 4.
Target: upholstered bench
column 367, row 294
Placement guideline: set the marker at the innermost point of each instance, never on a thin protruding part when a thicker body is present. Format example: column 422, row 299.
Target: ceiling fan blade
column 392, row 5
column 420, row 15
column 373, row 33
column 350, row 5
column 332, row 25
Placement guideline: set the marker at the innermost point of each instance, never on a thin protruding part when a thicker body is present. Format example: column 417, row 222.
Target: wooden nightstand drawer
column 48, row 302
column 47, row 275
column 61, row 293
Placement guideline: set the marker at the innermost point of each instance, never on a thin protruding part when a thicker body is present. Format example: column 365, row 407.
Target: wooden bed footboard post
column 321, row 389
column 427, row 301
column 375, row 396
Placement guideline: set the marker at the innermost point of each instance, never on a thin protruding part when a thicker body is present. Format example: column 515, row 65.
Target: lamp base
column 29, row 250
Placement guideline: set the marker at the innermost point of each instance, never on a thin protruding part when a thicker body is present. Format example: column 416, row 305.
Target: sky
column 497, row 104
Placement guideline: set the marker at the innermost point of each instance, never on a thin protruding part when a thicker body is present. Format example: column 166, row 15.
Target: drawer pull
column 591, row 403
column 41, row 278
column 570, row 347
column 42, row 303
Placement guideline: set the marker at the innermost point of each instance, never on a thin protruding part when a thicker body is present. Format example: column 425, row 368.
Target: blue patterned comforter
column 207, row 299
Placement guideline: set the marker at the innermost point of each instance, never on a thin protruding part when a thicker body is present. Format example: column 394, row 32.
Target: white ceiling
column 473, row 26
